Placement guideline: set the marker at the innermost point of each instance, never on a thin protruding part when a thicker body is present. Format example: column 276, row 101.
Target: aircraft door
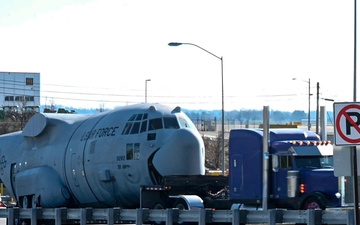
column 76, row 177
column 13, row 173
column 78, row 180
column 74, row 171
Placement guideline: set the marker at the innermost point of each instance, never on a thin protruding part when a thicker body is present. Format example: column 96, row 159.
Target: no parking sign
column 347, row 123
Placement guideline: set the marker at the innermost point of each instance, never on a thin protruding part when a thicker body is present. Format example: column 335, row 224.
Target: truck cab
column 300, row 176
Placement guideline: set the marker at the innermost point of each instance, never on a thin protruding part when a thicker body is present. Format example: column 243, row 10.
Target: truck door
column 280, row 177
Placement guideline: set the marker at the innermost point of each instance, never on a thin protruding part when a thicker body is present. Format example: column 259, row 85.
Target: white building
column 19, row 89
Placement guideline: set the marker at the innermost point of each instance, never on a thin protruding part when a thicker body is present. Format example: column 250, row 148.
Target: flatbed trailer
column 187, row 192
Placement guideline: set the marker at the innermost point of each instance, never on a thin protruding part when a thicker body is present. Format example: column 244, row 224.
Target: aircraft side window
column 151, row 136
column 143, row 126
column 135, row 128
column 137, row 151
column 171, row 123
column 155, row 124
column 127, row 128
column 129, row 151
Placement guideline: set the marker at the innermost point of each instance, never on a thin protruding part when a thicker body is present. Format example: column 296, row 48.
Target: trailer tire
column 159, row 205
column 313, row 202
column 180, row 204
column 26, row 202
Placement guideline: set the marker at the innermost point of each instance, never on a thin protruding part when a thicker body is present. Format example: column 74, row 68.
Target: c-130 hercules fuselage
column 100, row 160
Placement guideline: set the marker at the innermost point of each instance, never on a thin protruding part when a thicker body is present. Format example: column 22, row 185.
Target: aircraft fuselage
column 98, row 160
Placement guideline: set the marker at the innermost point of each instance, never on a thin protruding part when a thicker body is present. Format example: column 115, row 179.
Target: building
column 19, row 90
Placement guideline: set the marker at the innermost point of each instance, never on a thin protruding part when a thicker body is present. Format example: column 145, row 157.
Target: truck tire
column 313, row 202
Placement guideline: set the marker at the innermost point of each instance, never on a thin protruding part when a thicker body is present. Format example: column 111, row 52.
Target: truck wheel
column 313, row 203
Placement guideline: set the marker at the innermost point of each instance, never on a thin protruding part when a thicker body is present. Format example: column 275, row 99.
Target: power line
column 130, row 97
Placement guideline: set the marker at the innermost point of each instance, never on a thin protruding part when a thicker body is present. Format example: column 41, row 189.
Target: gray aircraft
column 100, row 160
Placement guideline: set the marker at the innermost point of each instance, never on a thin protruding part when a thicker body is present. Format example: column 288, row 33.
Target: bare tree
column 213, row 152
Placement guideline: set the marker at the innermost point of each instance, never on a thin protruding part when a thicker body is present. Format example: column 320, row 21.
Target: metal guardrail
column 169, row 216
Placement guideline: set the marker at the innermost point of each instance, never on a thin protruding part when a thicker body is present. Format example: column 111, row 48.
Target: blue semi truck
column 300, row 174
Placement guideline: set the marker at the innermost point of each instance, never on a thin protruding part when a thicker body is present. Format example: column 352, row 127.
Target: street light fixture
column 222, row 98
column 146, row 89
column 309, row 94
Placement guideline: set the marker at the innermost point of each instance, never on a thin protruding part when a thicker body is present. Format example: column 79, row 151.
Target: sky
column 99, row 53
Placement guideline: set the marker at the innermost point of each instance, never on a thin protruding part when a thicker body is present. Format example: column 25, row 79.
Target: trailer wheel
column 34, row 201
column 159, row 205
column 313, row 203
column 180, row 204
column 26, row 203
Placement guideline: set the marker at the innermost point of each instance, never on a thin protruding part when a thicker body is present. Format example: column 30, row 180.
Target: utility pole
column 317, row 107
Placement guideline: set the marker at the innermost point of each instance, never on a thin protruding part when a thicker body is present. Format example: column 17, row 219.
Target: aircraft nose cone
column 183, row 154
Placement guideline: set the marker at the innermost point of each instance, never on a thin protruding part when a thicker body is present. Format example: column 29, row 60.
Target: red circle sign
column 350, row 120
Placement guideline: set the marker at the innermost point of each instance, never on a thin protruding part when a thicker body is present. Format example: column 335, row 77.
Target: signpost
column 347, row 132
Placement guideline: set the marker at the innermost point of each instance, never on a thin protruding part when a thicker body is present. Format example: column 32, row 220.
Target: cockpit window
column 127, row 128
column 139, row 123
column 171, row 123
column 155, row 124
column 132, row 118
column 143, row 126
column 184, row 123
column 139, row 117
column 145, row 116
column 135, row 128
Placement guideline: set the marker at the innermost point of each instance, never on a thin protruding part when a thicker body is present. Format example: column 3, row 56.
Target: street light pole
column 222, row 99
column 309, row 94
column 146, row 89
column 317, row 107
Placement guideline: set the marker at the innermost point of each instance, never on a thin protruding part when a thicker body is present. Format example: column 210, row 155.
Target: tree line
column 252, row 116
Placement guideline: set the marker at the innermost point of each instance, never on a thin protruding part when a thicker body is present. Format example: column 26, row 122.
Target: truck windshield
column 317, row 162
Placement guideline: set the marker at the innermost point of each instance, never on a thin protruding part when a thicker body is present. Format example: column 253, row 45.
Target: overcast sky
column 100, row 52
